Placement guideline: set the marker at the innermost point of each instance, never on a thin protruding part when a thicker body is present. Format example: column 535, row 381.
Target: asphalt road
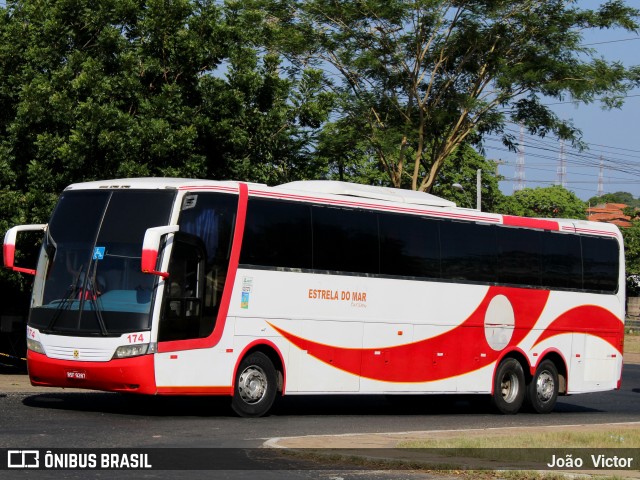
column 79, row 420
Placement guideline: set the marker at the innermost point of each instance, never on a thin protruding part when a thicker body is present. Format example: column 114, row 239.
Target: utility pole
column 479, row 190
column 519, row 185
column 562, row 168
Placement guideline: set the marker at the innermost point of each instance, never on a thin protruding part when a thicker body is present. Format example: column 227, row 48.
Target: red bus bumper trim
column 134, row 375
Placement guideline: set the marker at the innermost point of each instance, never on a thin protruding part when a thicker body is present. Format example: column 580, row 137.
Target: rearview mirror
column 151, row 247
column 9, row 247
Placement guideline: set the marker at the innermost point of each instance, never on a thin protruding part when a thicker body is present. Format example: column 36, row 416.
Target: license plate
column 76, row 375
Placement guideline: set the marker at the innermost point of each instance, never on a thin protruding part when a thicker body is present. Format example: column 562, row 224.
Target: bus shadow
column 293, row 405
column 399, row 405
column 135, row 405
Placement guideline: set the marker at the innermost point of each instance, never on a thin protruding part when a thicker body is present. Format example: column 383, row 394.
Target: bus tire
column 509, row 387
column 255, row 386
column 542, row 391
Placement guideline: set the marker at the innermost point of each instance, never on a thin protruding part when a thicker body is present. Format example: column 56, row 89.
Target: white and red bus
column 197, row 287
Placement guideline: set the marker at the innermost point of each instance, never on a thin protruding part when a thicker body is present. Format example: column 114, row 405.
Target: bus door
column 192, row 294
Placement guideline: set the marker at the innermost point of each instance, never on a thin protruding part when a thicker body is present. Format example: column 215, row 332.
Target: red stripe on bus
column 459, row 351
column 195, row 390
column 234, row 261
column 596, row 232
column 530, row 222
column 588, row 319
column 463, row 349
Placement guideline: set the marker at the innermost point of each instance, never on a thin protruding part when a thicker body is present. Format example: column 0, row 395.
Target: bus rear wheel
column 255, row 386
column 509, row 387
column 542, row 391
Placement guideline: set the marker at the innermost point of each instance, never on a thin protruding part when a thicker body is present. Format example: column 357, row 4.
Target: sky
column 612, row 134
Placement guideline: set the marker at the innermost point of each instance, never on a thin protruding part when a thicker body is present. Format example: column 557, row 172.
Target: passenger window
column 519, row 259
column 277, row 234
column 409, row 246
column 600, row 259
column 345, row 240
column 562, row 263
column 469, row 251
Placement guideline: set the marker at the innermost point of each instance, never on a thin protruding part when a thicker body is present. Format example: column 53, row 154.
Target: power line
column 598, row 158
column 595, row 99
column 551, row 142
column 611, row 41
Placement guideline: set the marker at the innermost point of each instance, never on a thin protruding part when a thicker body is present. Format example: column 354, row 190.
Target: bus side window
column 562, row 262
column 469, row 251
column 182, row 311
column 600, row 258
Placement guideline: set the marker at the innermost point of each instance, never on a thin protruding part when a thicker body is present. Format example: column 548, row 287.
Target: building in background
column 610, row 213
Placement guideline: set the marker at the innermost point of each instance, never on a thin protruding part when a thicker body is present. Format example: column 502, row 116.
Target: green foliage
column 631, row 237
column 617, row 197
column 461, row 168
column 418, row 79
column 544, row 202
column 120, row 88
column 348, row 156
column 124, row 88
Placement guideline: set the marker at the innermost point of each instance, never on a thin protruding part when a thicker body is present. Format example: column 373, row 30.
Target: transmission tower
column 562, row 167
column 601, row 177
column 520, row 182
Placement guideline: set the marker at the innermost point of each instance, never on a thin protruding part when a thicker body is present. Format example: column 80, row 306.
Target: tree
column 347, row 154
column 120, row 88
column 117, row 88
column 631, row 237
column 420, row 78
column 461, row 167
column 546, row 202
column 617, row 197
column 354, row 164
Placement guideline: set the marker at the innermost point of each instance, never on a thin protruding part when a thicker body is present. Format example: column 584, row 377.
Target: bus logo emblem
column 76, row 354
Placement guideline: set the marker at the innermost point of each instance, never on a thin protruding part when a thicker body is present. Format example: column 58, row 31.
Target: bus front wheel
column 255, row 386
column 509, row 386
column 542, row 391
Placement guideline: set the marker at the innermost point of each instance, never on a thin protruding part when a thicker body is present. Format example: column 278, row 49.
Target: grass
column 632, row 341
column 526, row 449
column 609, row 438
column 443, row 470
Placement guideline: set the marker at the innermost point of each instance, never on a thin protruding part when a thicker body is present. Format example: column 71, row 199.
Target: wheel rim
column 252, row 384
column 509, row 386
column 545, row 386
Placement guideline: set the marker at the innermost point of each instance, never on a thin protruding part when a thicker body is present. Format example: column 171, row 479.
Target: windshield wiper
column 67, row 300
column 90, row 292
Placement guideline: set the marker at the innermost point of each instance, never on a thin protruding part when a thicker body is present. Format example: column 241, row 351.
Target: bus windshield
column 88, row 279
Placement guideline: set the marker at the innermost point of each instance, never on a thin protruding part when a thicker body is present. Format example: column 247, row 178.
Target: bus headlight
column 35, row 346
column 127, row 351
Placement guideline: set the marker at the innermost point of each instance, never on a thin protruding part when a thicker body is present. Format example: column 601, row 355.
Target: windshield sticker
column 98, row 253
